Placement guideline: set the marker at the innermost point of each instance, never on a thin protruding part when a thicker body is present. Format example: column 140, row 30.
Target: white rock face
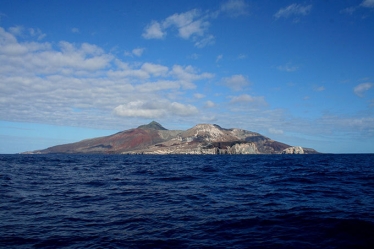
column 247, row 148
column 293, row 150
column 209, row 133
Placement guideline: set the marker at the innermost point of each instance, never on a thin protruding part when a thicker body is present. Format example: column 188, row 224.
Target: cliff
column 153, row 138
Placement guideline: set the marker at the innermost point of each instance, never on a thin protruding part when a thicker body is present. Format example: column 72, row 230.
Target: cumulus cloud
column 47, row 83
column 43, row 59
column 236, row 82
column 209, row 104
column 188, row 74
column 360, row 89
column 153, row 31
column 75, row 30
column 187, row 23
column 245, row 98
column 37, row 33
column 162, row 77
column 31, row 32
column 235, row 8
column 154, row 109
column 138, row 51
column 292, row 10
column 190, row 25
column 155, row 69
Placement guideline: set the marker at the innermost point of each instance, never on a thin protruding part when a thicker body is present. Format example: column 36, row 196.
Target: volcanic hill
column 153, row 138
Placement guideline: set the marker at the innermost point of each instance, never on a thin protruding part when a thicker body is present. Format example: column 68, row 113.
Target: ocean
column 186, row 201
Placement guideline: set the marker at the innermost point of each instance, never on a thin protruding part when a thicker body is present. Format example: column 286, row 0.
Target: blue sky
column 300, row 72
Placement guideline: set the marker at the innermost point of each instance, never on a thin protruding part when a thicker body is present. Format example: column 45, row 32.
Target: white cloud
column 182, row 19
column 128, row 71
column 199, row 95
column 37, row 33
column 219, row 57
column 288, row 68
column 177, row 77
column 349, row 10
column 41, row 58
column 293, row 9
column 242, row 56
column 182, row 109
column 360, row 89
column 155, row 69
column 368, row 3
column 16, row 30
column 75, row 30
column 135, row 52
column 187, row 23
column 159, row 85
column 188, row 74
column 194, row 24
column 190, row 25
column 348, row 123
column 209, row 104
column 275, row 131
column 245, row 98
column 154, row 109
column 352, row 9
column 20, row 31
column 138, row 51
column 205, row 41
column 194, row 56
column 141, row 109
column 236, row 82
column 235, row 8
column 319, row 88
column 153, row 31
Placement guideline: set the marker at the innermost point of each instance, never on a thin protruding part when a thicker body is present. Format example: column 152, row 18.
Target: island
column 201, row 139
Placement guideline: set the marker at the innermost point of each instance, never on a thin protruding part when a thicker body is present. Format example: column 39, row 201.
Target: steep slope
column 129, row 140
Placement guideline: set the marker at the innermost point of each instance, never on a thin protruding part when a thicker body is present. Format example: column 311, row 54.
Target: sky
column 299, row 72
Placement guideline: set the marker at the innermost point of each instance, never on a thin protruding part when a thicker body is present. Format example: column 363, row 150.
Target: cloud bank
column 73, row 84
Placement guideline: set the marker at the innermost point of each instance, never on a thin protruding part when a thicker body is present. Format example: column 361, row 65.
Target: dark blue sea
column 139, row 201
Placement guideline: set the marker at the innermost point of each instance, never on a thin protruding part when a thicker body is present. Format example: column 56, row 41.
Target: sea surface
column 144, row 201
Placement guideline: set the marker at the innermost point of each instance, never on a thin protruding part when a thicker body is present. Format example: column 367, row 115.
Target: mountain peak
column 152, row 125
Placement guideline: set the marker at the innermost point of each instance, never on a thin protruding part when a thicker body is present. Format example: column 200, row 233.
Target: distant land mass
column 201, row 139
